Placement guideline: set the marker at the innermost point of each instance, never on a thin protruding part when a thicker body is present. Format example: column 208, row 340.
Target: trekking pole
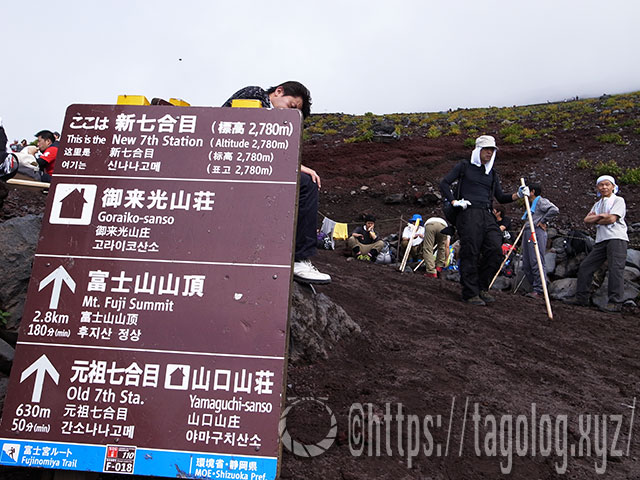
column 414, row 229
column 400, row 238
column 513, row 247
column 534, row 239
column 515, row 290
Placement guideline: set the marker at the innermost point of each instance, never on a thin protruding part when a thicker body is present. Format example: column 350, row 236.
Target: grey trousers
column 613, row 251
column 530, row 261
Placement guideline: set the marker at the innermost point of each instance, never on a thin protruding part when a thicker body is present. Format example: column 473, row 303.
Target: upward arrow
column 58, row 276
column 40, row 367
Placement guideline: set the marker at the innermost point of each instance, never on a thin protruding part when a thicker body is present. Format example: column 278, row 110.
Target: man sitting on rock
column 39, row 165
column 364, row 242
column 295, row 95
column 611, row 246
column 416, row 242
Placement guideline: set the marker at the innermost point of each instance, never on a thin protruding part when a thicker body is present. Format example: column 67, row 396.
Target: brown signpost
column 153, row 339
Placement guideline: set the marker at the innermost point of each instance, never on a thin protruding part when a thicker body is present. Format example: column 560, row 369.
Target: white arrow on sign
column 58, row 276
column 40, row 367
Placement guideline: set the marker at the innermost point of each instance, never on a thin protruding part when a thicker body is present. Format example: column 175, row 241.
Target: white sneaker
column 305, row 272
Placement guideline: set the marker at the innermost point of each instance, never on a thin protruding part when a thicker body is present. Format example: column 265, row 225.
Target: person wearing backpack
column 480, row 236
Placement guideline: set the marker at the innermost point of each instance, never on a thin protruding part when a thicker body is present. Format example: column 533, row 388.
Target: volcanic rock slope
column 424, row 353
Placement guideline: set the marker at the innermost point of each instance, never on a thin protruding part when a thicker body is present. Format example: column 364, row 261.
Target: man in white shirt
column 611, row 245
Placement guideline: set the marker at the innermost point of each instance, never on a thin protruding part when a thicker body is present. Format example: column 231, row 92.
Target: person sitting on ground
column 364, row 241
column 40, row 165
column 504, row 222
column 433, row 236
column 542, row 211
column 416, row 243
column 295, row 95
column 607, row 214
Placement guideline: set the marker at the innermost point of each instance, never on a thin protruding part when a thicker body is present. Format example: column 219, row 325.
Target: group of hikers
column 469, row 208
column 480, row 234
column 469, row 190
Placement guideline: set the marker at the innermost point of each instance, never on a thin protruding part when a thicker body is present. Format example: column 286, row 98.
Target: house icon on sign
column 177, row 377
column 73, row 204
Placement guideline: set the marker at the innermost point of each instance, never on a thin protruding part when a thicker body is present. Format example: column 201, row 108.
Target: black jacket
column 475, row 185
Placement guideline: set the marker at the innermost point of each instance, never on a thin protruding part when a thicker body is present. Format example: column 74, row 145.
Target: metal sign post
column 153, row 339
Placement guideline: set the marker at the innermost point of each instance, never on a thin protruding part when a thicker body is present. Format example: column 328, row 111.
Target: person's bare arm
column 600, row 219
column 314, row 176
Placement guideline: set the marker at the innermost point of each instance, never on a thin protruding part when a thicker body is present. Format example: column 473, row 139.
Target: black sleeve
column 3, row 139
column 449, row 178
column 3, row 145
column 41, row 163
column 359, row 230
column 498, row 193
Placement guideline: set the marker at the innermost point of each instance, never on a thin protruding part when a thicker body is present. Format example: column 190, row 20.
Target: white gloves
column 523, row 191
column 462, row 203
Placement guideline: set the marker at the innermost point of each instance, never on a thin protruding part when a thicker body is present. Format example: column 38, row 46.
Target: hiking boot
column 576, row 301
column 535, row 295
column 611, row 308
column 475, row 301
column 305, row 272
column 431, row 275
column 486, row 297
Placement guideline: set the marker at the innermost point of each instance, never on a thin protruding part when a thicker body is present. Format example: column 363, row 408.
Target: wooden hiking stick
column 408, row 250
column 541, row 271
column 513, row 247
column 28, row 183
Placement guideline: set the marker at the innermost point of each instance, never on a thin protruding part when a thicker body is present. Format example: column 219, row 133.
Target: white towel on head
column 475, row 160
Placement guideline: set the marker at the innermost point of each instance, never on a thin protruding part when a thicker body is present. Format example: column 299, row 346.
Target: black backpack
column 578, row 242
column 450, row 212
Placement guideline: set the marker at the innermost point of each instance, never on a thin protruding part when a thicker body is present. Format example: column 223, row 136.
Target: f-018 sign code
column 153, row 339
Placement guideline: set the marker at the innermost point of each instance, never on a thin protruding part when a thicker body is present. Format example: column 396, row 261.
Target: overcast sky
column 354, row 56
